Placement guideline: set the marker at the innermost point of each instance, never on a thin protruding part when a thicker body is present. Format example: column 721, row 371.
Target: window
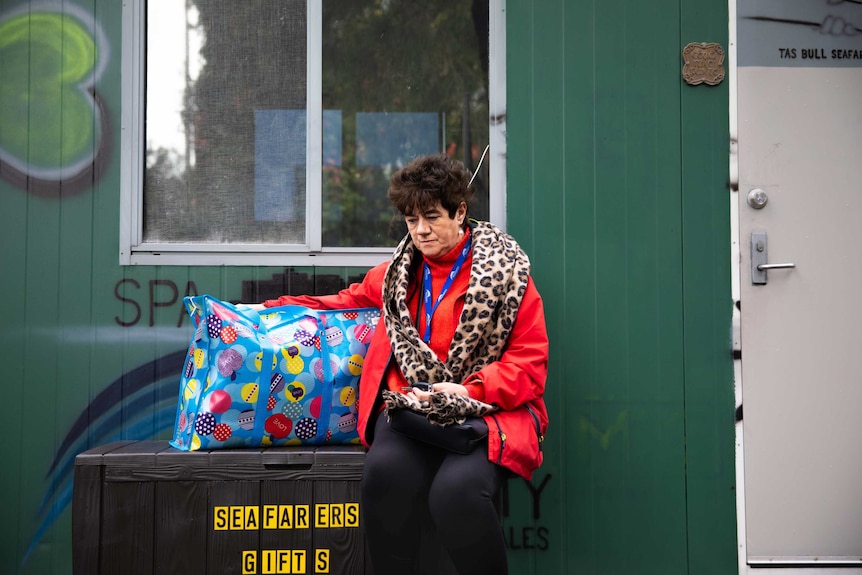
column 265, row 132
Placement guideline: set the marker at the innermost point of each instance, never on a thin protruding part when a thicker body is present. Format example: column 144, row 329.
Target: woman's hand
column 445, row 386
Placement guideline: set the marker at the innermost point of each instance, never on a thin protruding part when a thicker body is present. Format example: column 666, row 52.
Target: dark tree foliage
column 397, row 56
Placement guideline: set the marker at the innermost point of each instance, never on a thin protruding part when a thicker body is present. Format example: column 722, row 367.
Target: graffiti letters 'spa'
column 54, row 129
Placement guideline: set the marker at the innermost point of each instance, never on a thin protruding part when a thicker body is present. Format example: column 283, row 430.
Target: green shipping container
column 617, row 177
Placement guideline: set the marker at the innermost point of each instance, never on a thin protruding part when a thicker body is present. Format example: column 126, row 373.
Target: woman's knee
column 381, row 474
column 394, row 466
column 452, row 500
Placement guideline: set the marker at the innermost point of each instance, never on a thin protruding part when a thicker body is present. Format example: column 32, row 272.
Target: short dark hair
column 426, row 180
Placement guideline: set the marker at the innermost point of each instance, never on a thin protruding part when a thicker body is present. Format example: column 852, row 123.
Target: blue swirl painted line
column 129, row 383
column 140, row 404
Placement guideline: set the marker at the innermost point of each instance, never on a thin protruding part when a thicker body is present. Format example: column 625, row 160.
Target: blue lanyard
column 426, row 282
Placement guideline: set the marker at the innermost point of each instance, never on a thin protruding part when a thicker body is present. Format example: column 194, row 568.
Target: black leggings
column 399, row 474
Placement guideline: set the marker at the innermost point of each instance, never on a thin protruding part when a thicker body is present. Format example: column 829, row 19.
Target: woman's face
column 434, row 232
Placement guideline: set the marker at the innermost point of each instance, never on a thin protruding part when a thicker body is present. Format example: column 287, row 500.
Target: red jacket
column 515, row 383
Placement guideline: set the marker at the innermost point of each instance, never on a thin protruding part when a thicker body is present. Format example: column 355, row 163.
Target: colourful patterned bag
column 284, row 376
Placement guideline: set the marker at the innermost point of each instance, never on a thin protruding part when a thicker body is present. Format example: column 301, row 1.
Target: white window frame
column 134, row 251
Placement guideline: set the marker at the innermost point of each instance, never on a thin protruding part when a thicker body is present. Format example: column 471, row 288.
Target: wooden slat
column 127, row 529
column 180, row 523
column 287, row 536
column 225, row 548
column 344, row 545
column 86, row 519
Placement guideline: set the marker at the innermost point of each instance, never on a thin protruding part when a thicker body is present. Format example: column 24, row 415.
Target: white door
column 799, row 121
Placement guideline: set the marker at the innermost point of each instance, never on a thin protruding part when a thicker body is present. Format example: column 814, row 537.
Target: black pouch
column 458, row 438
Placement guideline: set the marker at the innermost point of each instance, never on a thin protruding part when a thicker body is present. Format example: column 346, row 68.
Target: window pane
column 226, row 114
column 400, row 78
column 226, row 122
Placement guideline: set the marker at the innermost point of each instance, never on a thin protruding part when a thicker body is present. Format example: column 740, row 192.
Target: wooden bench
column 145, row 508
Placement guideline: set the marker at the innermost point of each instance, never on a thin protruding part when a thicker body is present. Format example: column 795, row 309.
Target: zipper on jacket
column 538, row 426
column 502, row 439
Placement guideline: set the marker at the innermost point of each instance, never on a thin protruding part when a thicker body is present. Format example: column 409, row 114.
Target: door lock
column 757, row 199
column 759, row 259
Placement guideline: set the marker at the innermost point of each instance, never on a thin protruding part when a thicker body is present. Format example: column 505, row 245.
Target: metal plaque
column 704, row 63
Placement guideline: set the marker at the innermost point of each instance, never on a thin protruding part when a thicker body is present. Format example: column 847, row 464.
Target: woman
column 481, row 335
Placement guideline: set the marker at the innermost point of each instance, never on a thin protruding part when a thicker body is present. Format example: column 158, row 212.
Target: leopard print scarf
column 498, row 281
column 441, row 409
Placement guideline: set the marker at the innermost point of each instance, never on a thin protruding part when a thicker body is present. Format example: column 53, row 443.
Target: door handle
column 759, row 257
column 762, row 267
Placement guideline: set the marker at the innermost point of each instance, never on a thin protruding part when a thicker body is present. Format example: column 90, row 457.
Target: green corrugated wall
column 617, row 176
column 618, row 189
